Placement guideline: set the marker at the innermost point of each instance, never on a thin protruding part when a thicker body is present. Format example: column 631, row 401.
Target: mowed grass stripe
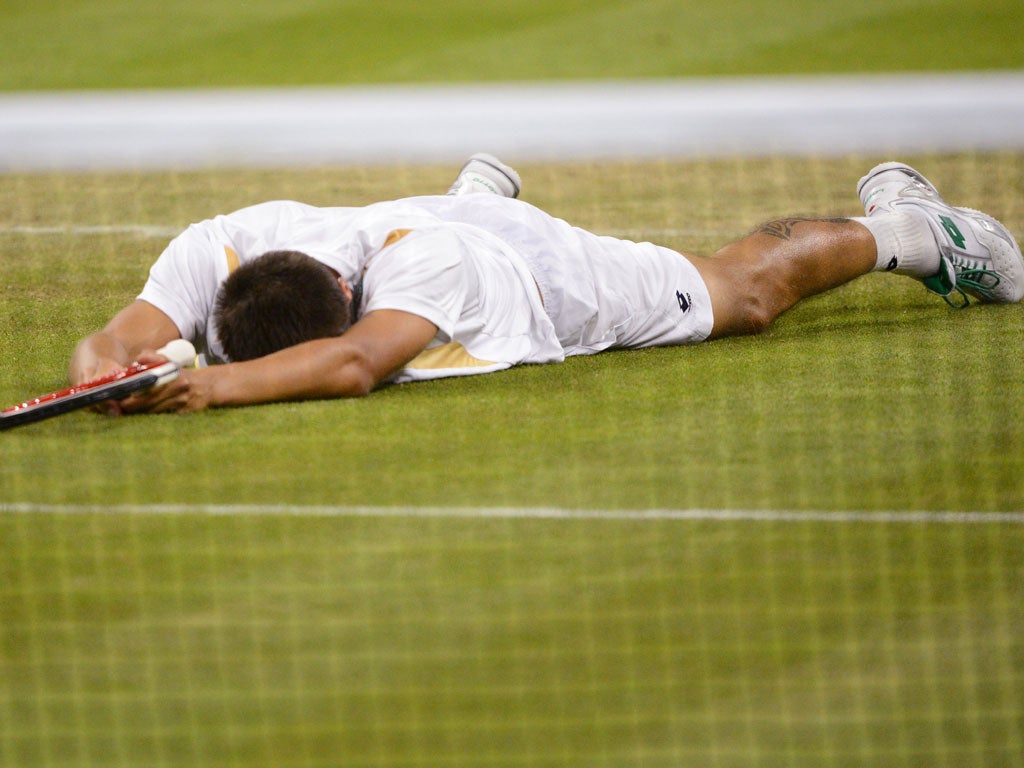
column 186, row 43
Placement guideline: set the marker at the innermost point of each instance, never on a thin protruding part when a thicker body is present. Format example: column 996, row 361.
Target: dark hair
column 278, row 300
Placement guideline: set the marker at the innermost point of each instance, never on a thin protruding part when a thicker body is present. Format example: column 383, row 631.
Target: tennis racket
column 115, row 386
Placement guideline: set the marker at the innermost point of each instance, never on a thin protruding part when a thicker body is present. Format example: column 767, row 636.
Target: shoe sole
column 1004, row 251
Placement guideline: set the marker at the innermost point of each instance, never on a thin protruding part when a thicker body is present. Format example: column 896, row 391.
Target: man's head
column 278, row 300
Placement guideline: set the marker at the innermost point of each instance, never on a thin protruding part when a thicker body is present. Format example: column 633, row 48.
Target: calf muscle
column 754, row 280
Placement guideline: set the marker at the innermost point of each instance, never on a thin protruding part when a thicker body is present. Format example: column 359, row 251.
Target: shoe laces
column 979, row 281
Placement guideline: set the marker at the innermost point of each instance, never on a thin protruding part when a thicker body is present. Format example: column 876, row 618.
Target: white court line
column 538, row 513
column 157, row 231
column 141, row 230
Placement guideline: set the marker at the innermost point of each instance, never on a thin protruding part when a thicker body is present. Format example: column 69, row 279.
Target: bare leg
column 754, row 280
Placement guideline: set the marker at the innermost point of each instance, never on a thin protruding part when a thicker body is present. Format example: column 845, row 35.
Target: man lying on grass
column 290, row 302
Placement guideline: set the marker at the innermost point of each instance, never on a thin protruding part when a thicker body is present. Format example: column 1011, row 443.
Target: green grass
column 295, row 639
column 185, row 43
column 149, row 640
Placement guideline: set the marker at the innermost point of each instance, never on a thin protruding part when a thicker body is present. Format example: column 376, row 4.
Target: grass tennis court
column 192, row 640
column 136, row 636
column 501, row 571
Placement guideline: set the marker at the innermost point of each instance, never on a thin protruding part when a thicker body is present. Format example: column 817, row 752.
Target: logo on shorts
column 684, row 301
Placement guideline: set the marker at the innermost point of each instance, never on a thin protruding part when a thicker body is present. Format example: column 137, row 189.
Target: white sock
column 905, row 244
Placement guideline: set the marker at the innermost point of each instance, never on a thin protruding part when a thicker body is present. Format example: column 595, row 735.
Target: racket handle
column 179, row 351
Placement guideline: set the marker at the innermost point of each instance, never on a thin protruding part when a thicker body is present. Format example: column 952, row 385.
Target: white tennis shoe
column 978, row 255
column 486, row 173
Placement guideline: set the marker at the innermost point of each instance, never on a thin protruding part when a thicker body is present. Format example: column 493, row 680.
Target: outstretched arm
column 350, row 365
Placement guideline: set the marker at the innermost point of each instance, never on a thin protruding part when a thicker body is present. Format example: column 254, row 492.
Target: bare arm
column 350, row 365
column 137, row 327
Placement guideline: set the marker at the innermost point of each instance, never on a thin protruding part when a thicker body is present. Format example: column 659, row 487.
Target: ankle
column 904, row 244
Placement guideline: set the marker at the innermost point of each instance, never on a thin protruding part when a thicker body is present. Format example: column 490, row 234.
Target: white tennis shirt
column 504, row 282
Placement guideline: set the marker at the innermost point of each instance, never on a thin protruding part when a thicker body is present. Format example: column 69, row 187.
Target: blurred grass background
column 190, row 43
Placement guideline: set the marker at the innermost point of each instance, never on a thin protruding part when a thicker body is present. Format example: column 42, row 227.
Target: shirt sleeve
column 183, row 281
column 421, row 273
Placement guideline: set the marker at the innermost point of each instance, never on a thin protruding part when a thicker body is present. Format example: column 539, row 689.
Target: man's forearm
column 350, row 365
column 326, row 368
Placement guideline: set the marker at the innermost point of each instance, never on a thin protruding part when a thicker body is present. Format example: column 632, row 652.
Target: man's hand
column 97, row 355
column 190, row 391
